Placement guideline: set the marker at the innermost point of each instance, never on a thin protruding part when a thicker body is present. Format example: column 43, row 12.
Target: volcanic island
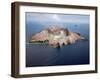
column 56, row 36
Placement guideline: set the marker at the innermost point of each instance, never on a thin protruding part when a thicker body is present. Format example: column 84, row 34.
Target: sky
column 60, row 18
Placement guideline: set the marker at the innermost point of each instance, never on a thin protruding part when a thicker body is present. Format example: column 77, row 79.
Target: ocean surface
column 45, row 55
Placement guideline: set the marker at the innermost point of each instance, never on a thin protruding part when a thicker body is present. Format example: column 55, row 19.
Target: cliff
column 56, row 36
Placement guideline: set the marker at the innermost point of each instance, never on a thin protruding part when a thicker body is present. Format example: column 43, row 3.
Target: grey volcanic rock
column 56, row 36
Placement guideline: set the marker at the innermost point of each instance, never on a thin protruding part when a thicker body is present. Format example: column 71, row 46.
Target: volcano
column 56, row 36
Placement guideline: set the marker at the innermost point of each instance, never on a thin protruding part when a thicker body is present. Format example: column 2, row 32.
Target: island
column 56, row 36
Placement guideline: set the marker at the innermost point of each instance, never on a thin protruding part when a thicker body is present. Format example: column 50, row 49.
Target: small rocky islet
column 56, row 36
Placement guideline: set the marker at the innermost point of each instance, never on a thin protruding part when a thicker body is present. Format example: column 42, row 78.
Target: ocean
column 44, row 55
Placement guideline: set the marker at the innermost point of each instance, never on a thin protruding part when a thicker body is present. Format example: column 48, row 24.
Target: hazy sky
column 62, row 18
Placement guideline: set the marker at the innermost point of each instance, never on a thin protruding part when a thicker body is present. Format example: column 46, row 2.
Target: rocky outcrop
column 56, row 36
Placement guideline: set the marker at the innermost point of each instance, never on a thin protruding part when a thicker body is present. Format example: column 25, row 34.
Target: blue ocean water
column 44, row 55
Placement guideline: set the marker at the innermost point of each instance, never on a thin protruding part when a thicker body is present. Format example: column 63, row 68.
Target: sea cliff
column 56, row 36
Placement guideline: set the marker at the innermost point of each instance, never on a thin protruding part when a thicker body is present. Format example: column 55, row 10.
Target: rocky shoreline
column 56, row 36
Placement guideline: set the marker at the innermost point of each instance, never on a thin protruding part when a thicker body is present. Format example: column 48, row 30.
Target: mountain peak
column 56, row 36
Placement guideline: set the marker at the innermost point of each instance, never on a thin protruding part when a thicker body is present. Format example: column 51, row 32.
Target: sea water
column 45, row 55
